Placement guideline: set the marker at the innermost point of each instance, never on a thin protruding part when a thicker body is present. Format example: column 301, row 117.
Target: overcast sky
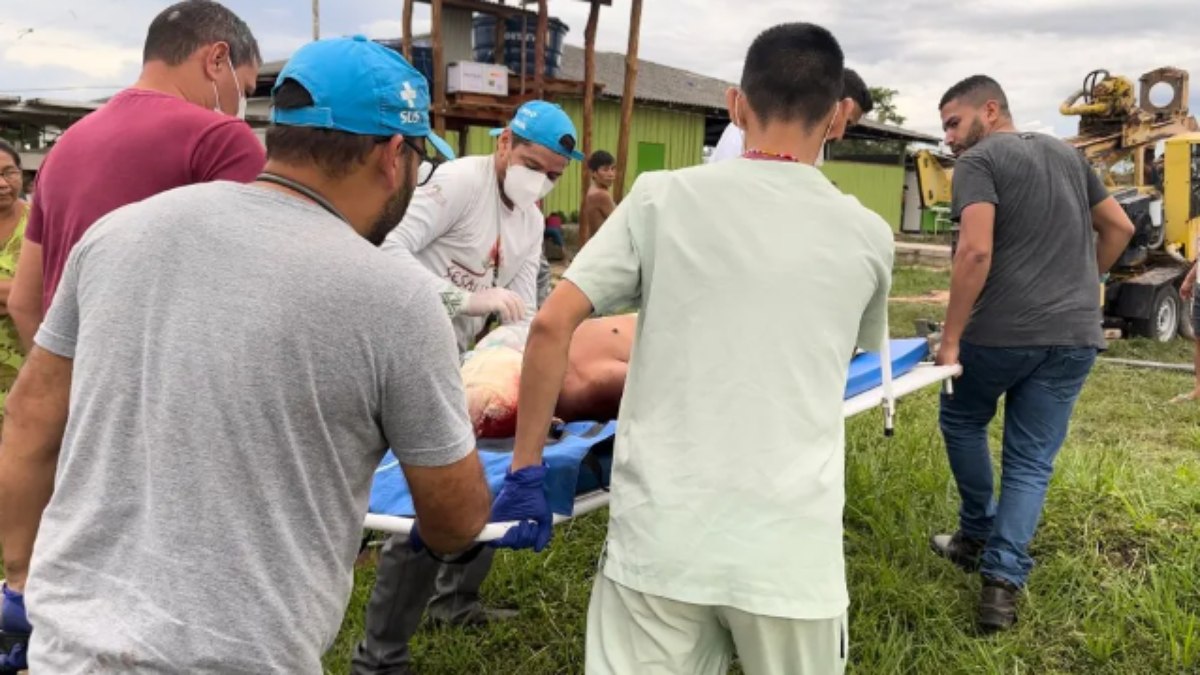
column 1039, row 50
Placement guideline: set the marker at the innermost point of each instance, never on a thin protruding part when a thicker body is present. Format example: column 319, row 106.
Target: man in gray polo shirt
column 224, row 366
column 1037, row 229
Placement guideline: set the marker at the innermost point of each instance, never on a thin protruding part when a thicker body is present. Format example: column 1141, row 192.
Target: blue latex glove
column 523, row 498
column 15, row 625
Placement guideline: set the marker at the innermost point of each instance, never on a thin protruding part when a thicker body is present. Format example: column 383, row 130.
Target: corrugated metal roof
column 655, row 82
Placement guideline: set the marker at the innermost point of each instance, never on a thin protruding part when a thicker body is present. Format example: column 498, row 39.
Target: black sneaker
column 958, row 549
column 997, row 605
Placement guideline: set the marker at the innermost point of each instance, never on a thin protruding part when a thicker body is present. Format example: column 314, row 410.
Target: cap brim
column 574, row 154
column 440, row 145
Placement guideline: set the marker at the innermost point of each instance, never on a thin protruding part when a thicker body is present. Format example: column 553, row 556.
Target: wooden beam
column 316, row 16
column 406, row 30
column 439, row 69
column 462, row 140
column 498, row 52
column 631, row 71
column 539, row 50
column 589, row 105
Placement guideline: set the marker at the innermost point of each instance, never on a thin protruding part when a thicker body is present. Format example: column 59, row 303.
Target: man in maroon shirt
column 177, row 125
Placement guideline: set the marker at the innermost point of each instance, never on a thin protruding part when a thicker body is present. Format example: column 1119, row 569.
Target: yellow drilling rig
column 1144, row 144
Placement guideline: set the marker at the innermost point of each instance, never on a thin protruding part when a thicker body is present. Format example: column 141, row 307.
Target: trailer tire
column 1165, row 315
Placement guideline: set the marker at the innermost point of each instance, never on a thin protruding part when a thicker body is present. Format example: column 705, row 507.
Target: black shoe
column 997, row 605
column 958, row 549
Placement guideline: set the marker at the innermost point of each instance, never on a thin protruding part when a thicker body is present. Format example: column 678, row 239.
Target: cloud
column 1039, row 50
column 393, row 28
column 75, row 51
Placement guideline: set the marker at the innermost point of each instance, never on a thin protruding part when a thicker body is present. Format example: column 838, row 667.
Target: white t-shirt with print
column 756, row 281
column 458, row 229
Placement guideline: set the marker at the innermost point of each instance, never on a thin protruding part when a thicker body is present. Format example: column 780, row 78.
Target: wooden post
column 589, row 104
column 631, row 70
column 539, row 50
column 501, row 28
column 316, row 11
column 439, row 70
column 406, row 30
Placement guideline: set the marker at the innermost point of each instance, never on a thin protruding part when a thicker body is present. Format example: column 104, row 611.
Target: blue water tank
column 422, row 56
column 518, row 33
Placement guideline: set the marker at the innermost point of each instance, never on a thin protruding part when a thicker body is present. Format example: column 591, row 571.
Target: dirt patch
column 930, row 298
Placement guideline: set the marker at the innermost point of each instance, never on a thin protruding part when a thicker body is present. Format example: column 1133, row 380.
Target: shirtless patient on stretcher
column 595, row 378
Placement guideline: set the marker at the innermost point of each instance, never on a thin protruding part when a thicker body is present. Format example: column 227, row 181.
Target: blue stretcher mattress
column 573, row 471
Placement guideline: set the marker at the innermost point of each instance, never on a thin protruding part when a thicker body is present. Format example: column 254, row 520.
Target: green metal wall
column 682, row 134
column 879, row 187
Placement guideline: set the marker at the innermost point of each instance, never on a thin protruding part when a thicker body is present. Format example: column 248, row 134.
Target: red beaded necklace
column 772, row 156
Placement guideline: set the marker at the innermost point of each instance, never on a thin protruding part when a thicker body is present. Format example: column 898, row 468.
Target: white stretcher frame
column 883, row 396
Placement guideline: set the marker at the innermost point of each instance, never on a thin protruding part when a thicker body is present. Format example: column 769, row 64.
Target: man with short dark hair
column 1037, row 229
column 854, row 90
column 222, row 409
column 598, row 204
column 177, row 125
column 725, row 528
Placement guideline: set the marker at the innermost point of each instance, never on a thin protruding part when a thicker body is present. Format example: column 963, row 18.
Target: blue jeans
column 1040, row 386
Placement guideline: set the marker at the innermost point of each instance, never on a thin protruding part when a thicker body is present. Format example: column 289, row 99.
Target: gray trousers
column 405, row 584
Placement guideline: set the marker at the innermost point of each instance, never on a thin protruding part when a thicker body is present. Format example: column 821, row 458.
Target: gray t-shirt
column 242, row 359
column 1043, row 288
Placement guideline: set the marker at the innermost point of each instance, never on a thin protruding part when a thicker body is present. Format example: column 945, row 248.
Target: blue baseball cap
column 359, row 87
column 547, row 125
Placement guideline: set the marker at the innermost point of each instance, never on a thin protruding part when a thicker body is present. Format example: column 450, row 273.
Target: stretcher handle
column 889, row 396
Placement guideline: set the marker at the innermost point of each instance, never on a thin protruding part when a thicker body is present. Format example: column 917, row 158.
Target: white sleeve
column 730, row 145
column 524, row 284
column 432, row 213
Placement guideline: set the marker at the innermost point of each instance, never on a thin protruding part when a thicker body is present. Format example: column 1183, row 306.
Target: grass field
column 1116, row 589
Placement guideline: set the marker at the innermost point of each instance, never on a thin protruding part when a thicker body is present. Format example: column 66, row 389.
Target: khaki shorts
column 630, row 632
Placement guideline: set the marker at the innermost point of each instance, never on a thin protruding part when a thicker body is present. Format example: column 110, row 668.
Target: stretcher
column 579, row 454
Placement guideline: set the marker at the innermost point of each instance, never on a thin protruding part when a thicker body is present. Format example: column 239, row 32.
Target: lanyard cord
column 304, row 190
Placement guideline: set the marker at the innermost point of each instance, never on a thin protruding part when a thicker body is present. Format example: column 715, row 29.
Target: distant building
column 677, row 115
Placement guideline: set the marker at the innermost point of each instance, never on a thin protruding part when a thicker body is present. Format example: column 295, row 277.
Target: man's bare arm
column 25, row 297
column 34, row 422
column 972, row 262
column 452, row 503
column 543, row 369
column 1113, row 229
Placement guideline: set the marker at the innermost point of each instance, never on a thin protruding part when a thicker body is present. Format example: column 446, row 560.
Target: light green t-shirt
column 756, row 280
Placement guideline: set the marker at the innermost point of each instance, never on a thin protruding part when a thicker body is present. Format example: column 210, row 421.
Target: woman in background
column 13, row 214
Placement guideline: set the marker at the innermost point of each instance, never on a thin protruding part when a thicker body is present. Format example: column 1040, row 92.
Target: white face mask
column 241, row 110
column 524, row 186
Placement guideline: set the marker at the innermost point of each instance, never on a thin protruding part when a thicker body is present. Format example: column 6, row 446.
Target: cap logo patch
column 409, row 95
